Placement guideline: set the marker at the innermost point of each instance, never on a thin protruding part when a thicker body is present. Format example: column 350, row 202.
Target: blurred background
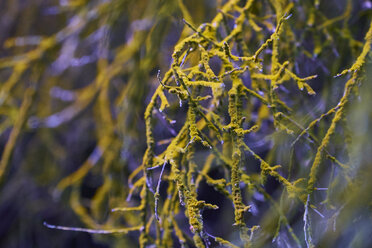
column 76, row 77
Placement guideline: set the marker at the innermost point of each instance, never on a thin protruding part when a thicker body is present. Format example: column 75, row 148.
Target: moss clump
column 229, row 118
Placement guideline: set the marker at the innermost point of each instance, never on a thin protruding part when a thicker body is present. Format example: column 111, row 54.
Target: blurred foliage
column 173, row 123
